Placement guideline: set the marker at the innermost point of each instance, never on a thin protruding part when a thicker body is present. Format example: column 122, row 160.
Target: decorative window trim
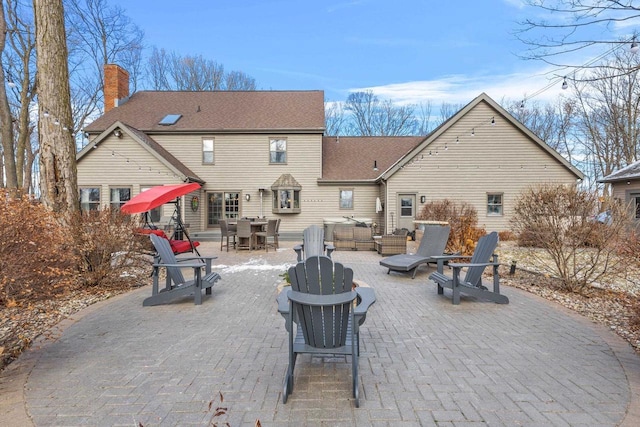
column 286, row 195
column 495, row 208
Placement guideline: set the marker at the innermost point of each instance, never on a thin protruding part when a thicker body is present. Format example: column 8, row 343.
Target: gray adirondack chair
column 321, row 305
column 176, row 286
column 433, row 243
column 483, row 256
column 313, row 244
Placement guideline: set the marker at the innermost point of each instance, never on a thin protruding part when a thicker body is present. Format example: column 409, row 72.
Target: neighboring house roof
column 220, row 111
column 353, row 158
column 150, row 145
column 631, row 171
column 483, row 97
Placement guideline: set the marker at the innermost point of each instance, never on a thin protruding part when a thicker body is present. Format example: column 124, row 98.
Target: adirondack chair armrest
column 321, row 300
column 477, row 264
column 366, row 298
column 192, row 265
column 299, row 248
column 207, row 261
column 441, row 259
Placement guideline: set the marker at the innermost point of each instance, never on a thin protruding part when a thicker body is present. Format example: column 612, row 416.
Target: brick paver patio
column 424, row 361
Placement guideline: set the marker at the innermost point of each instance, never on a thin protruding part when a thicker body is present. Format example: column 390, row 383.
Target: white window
column 346, row 198
column 207, row 150
column 90, row 199
column 119, row 196
column 494, row 204
column 277, row 150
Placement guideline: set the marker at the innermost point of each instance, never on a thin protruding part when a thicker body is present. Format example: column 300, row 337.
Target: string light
column 565, row 85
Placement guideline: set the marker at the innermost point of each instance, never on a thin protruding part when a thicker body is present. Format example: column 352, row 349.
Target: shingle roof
column 631, row 171
column 352, row 158
column 221, row 111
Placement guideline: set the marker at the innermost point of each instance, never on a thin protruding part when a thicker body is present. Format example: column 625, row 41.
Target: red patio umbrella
column 157, row 196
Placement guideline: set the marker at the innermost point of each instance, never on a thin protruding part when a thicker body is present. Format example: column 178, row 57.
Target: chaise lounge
column 433, row 243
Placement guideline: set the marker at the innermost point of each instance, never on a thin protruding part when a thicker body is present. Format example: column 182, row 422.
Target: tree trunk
column 58, row 173
column 5, row 117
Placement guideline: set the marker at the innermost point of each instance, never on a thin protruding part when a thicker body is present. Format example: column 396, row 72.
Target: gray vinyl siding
column 498, row 159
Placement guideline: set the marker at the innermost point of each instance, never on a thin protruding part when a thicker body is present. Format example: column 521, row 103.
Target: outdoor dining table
column 256, row 225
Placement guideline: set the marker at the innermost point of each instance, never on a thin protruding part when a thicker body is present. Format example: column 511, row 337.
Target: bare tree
column 609, row 116
column 424, row 124
column 448, row 110
column 6, row 120
column 172, row 71
column 381, row 118
column 98, row 34
column 237, row 80
column 19, row 61
column 334, row 118
column 568, row 26
column 58, row 182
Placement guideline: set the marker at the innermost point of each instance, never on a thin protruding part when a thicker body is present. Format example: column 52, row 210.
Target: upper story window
column 90, row 199
column 346, row 198
column 207, row 150
column 119, row 196
column 494, row 204
column 278, row 150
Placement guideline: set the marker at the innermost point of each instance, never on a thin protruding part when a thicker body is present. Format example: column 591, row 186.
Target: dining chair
column 226, row 233
column 269, row 232
column 244, row 234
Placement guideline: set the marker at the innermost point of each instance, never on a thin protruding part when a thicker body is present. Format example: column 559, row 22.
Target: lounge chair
column 313, row 244
column 176, row 285
column 482, row 257
column 321, row 303
column 433, row 243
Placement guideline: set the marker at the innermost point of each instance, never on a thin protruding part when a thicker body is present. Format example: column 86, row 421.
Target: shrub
column 35, row 260
column 108, row 249
column 559, row 219
column 463, row 220
column 506, row 236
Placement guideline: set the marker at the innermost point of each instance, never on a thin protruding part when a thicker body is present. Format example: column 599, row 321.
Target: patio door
column 406, row 211
column 222, row 205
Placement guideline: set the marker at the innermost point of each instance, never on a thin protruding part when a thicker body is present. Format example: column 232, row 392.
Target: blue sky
column 409, row 51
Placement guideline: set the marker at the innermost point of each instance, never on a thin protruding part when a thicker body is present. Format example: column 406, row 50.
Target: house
column 263, row 153
column 625, row 186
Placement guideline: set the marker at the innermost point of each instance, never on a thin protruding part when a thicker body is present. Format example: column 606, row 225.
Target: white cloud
column 456, row 89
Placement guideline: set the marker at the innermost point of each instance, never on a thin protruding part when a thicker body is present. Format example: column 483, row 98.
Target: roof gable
column 149, row 144
column 220, row 111
column 483, row 97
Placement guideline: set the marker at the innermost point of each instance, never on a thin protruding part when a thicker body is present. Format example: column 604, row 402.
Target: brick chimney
column 116, row 86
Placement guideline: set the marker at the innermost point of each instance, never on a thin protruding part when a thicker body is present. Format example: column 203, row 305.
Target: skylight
column 170, row 119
